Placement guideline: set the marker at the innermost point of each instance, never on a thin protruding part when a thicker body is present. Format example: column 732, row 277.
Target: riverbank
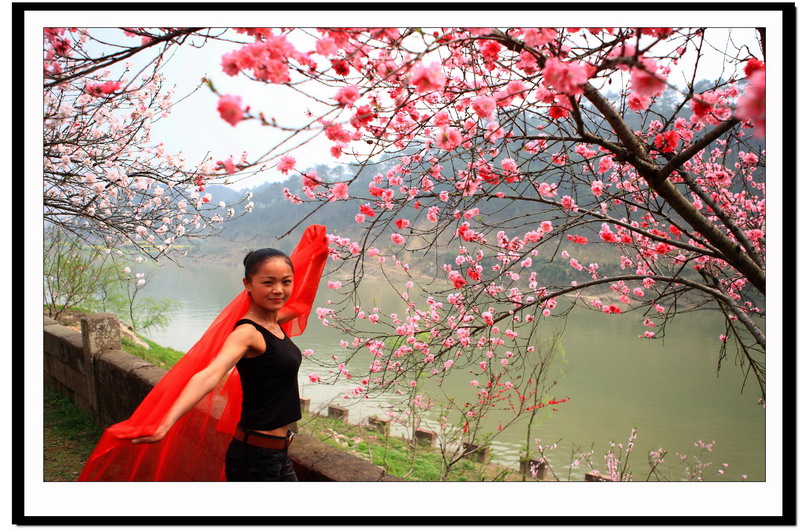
column 70, row 436
column 656, row 385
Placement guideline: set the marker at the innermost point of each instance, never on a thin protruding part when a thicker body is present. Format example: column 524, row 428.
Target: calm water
column 670, row 391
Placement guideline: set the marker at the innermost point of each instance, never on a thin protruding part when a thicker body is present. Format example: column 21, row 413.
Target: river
column 669, row 390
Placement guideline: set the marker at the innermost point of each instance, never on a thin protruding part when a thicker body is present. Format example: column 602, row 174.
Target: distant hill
column 273, row 215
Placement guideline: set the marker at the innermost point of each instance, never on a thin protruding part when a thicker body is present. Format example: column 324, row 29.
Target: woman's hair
column 254, row 260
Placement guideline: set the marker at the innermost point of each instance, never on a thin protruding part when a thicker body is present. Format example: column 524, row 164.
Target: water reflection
column 669, row 390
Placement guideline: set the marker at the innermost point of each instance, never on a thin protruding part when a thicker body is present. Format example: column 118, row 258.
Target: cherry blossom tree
column 105, row 180
column 512, row 175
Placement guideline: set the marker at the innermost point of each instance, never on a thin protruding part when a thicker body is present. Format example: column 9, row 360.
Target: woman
column 195, row 409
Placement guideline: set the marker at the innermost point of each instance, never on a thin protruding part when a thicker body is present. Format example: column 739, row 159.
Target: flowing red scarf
column 194, row 449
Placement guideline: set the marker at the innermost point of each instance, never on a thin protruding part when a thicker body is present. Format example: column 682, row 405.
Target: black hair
column 254, row 259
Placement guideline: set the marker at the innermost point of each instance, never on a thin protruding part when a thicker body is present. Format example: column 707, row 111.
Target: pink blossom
column 668, row 141
column 566, row 77
column 110, row 86
column 230, row 109
column 494, row 132
column 448, row 138
column 313, row 377
column 637, row 102
column 662, row 248
column 428, row 78
column 339, row 191
column 702, row 105
column 230, row 63
column 398, row 239
column 547, row 190
column 337, row 133
column 546, row 226
column 647, row 83
column 310, row 180
column 605, row 164
column 286, row 164
column 484, row 106
column 538, row 36
column 527, row 62
column 325, row 46
column 748, row 158
column 490, row 50
column 597, row 188
column 228, row 164
column 753, row 105
column 753, row 65
column 441, row 118
column 347, row 95
column 509, row 166
column 457, row 280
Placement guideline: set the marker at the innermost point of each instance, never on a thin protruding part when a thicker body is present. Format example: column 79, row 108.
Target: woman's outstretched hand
column 160, row 433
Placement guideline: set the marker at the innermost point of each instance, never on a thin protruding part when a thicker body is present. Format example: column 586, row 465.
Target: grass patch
column 396, row 455
column 164, row 357
column 70, row 435
column 159, row 356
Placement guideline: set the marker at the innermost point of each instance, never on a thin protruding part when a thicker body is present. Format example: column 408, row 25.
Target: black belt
column 262, row 440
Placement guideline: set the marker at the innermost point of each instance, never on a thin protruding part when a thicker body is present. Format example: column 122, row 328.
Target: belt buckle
column 289, row 438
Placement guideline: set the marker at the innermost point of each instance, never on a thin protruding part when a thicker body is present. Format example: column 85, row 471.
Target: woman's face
column 271, row 285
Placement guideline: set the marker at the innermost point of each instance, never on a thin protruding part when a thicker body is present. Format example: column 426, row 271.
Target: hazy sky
column 195, row 128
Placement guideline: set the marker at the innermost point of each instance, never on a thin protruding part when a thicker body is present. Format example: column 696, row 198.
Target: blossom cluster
column 498, row 147
column 104, row 176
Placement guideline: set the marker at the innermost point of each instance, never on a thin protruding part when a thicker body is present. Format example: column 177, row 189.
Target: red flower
column 230, row 109
column 340, row 67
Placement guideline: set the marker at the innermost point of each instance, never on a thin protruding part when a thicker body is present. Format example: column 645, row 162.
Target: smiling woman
column 191, row 414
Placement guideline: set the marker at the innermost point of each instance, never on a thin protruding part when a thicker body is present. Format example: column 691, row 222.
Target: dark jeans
column 244, row 462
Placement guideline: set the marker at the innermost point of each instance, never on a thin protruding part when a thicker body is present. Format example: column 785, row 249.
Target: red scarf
column 194, row 449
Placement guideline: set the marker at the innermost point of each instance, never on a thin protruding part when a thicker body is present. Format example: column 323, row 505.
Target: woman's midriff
column 277, row 432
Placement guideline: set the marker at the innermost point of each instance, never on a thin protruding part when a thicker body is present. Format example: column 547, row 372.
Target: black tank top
column 270, row 394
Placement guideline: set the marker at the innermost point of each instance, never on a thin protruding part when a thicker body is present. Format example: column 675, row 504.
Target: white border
column 406, row 499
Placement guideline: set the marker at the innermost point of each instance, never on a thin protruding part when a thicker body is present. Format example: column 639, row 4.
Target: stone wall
column 91, row 369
